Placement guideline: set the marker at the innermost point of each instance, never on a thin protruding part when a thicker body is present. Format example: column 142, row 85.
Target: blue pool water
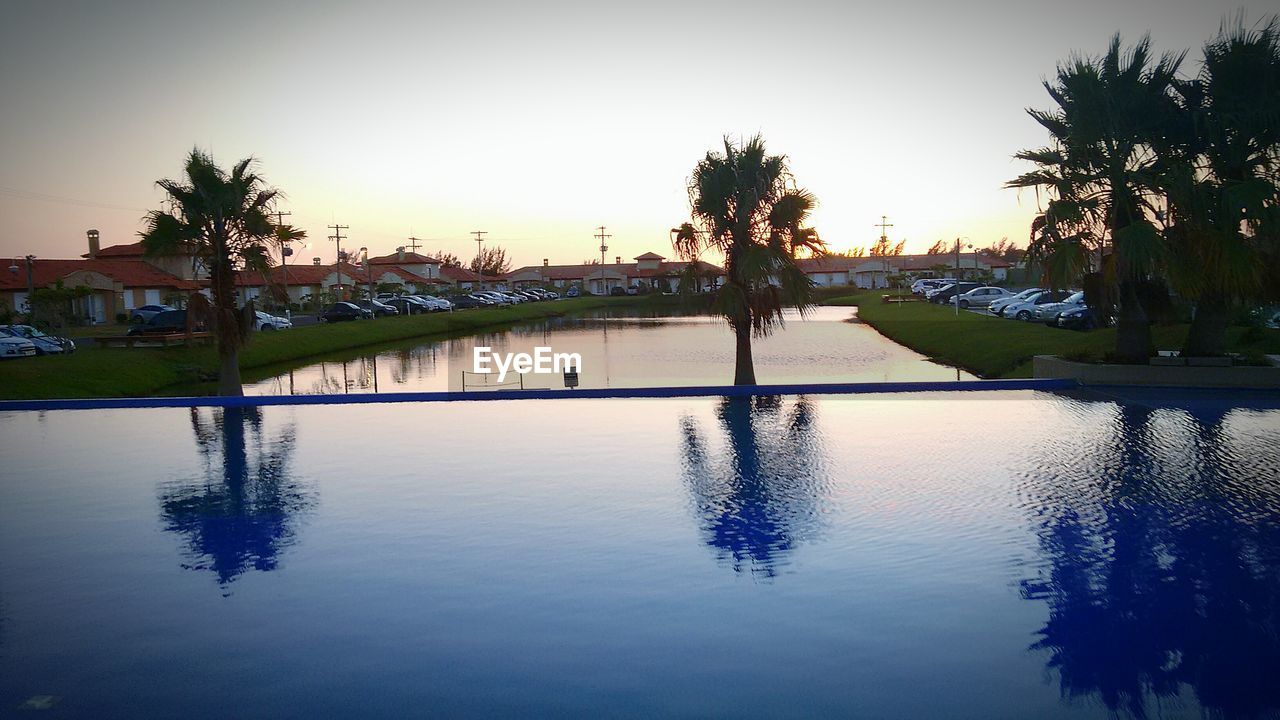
column 975, row 555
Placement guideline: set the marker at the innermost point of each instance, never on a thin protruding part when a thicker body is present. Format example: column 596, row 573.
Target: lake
column 621, row 350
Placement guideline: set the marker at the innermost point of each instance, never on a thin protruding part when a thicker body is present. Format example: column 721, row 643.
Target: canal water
column 625, row 350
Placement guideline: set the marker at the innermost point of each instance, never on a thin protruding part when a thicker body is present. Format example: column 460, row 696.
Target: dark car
column 944, row 297
column 466, row 302
column 340, row 311
column 162, row 323
column 378, row 308
column 617, row 292
column 45, row 344
column 407, row 305
column 1077, row 318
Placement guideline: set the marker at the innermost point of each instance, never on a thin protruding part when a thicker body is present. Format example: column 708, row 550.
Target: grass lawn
column 140, row 372
column 998, row 348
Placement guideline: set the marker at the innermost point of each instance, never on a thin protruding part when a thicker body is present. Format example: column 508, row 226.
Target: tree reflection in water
column 1162, row 568
column 765, row 496
column 245, row 509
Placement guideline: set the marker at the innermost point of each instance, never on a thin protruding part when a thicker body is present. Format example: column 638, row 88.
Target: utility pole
column 337, row 237
column 284, row 259
column 603, row 249
column 884, row 225
column 479, row 255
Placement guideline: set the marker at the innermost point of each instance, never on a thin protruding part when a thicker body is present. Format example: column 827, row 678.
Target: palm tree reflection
column 1163, row 570
column 764, row 498
column 244, row 511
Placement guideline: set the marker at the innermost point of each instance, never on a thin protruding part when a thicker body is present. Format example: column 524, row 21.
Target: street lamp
column 956, row 297
column 31, row 284
column 368, row 267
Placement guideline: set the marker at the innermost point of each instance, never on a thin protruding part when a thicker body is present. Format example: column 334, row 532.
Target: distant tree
column 856, row 252
column 747, row 208
column 491, row 262
column 1003, row 249
column 885, row 248
column 448, row 259
column 222, row 218
column 941, row 247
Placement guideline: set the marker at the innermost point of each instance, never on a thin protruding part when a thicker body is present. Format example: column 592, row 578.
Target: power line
column 46, row 197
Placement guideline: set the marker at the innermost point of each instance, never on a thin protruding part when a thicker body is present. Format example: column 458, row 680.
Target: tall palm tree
column 746, row 207
column 1221, row 180
column 222, row 218
column 1101, row 166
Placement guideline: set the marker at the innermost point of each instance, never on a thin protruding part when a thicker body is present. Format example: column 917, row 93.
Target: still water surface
column 975, row 555
column 622, row 350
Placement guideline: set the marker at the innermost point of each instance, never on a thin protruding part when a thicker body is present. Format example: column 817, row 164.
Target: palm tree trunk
column 1133, row 332
column 226, row 327
column 744, row 369
column 1208, row 334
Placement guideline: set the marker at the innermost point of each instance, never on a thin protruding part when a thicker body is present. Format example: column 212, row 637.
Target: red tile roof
column 130, row 273
column 131, row 250
column 458, row 274
column 581, row 271
column 410, row 258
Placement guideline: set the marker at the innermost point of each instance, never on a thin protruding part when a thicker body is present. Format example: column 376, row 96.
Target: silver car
column 998, row 307
column 980, row 297
column 1049, row 312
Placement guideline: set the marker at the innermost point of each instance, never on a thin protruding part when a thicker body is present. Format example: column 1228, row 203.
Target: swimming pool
column 971, row 555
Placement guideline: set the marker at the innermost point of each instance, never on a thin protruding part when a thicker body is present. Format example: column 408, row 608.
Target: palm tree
column 1221, row 180
column 222, row 219
column 1101, row 168
column 746, row 207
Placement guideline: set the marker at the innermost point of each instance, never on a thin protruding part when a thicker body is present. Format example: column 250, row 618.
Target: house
column 464, row 279
column 874, row 272
column 650, row 269
column 116, row 286
column 315, row 279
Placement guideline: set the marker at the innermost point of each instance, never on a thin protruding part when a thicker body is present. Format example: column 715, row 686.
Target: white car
column 924, row 285
column 12, row 347
column 435, row 303
column 998, row 307
column 980, row 297
column 1026, row 310
column 264, row 322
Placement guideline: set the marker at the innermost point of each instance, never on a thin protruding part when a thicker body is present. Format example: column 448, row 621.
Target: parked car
column 980, row 296
column 573, row 292
column 434, row 303
column 266, row 322
column 45, row 344
column 492, row 296
column 341, row 311
column 13, row 347
column 466, row 302
column 1048, row 312
column 163, row 323
column 1079, row 317
column 1026, row 309
column 617, row 292
column 944, row 295
column 997, row 307
column 923, row 285
column 378, row 308
column 408, row 305
column 146, row 312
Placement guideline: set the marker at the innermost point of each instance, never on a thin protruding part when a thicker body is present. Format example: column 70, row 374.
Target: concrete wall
column 1048, row 366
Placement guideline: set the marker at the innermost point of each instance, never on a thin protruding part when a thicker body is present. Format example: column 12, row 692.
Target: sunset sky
column 538, row 122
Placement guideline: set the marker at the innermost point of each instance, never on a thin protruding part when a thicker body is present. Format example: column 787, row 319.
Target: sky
column 537, row 122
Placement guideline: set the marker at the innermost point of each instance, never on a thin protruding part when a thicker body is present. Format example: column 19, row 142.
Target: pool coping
column 567, row 394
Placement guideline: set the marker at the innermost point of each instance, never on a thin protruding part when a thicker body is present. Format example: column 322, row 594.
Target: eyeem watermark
column 542, row 362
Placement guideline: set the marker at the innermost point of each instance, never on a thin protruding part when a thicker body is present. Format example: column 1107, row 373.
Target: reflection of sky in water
column 630, row 352
column 976, row 555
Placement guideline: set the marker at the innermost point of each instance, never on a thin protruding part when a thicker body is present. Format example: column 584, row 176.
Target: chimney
column 93, row 244
column 315, row 261
column 545, row 262
column 400, row 254
column 617, row 260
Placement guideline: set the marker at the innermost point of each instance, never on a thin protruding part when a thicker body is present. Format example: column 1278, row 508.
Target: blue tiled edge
column 575, row 394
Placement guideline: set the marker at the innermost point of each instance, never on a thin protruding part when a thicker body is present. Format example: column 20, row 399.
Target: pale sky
column 537, row 122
